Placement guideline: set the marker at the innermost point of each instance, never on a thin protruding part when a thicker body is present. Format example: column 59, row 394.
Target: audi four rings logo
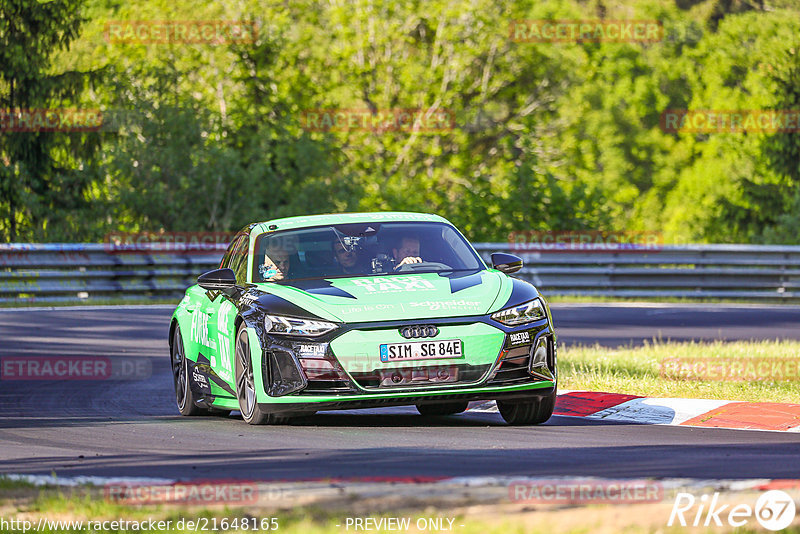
column 419, row 331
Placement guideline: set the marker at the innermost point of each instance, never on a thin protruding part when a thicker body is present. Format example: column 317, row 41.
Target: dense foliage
column 562, row 136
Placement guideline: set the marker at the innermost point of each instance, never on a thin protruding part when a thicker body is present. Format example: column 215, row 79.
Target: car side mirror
column 506, row 263
column 218, row 280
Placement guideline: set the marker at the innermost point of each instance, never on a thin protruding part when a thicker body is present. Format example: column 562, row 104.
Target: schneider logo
column 774, row 510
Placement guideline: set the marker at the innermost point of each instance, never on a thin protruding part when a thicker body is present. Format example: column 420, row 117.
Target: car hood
column 397, row 296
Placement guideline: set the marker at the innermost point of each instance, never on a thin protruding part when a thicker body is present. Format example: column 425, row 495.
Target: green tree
column 42, row 180
column 174, row 163
column 783, row 149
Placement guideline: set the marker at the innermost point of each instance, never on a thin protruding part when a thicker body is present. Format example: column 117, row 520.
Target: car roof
column 306, row 221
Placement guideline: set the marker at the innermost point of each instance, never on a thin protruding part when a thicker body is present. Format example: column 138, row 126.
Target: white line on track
column 468, row 481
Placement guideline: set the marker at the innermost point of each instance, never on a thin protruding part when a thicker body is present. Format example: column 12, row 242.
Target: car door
column 221, row 311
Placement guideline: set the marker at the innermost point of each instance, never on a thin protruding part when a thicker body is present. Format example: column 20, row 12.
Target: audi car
column 364, row 310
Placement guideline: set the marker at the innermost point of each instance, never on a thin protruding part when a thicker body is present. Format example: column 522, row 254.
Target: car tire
column 245, row 385
column 527, row 413
column 184, row 396
column 444, row 408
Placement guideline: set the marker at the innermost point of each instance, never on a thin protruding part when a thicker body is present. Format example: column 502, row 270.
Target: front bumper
column 528, row 392
column 316, row 374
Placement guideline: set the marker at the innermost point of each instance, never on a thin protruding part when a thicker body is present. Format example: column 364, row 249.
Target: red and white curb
column 683, row 412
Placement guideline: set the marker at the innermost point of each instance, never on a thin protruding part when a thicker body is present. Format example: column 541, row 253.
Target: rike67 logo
column 774, row 510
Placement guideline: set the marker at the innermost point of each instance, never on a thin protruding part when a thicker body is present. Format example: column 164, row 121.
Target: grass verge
column 759, row 371
column 84, row 510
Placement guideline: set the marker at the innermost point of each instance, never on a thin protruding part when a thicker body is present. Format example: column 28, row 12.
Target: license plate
column 421, row 350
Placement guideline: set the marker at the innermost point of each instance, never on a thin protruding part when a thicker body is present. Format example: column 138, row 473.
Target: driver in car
column 406, row 251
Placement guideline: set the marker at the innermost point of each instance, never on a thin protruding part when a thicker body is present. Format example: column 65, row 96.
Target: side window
column 226, row 259
column 238, row 260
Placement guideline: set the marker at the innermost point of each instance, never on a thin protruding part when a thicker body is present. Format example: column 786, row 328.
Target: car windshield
column 361, row 249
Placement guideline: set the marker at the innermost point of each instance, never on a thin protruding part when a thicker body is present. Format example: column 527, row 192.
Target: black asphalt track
column 131, row 427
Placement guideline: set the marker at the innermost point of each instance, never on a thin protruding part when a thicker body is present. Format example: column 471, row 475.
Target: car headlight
column 524, row 313
column 294, row 326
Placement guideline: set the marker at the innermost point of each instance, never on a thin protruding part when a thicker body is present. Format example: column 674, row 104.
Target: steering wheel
column 425, row 265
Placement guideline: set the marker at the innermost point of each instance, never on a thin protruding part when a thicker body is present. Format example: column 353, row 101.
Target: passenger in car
column 348, row 258
column 276, row 265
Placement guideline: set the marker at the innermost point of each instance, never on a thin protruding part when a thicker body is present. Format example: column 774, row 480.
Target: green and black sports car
column 363, row 310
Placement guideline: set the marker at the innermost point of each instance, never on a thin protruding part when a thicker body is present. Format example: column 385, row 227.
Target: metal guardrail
column 66, row 272
column 85, row 272
column 750, row 272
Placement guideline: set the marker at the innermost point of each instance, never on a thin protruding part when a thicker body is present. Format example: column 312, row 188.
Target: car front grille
column 514, row 367
column 420, row 376
column 328, row 387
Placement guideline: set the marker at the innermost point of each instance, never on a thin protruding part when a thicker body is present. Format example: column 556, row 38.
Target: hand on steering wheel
column 409, row 259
